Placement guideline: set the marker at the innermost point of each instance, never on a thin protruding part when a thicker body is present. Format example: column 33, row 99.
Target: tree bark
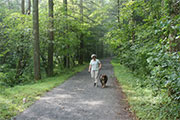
column 29, row 7
column 51, row 39
column 67, row 57
column 133, row 26
column 20, row 49
column 81, row 56
column 118, row 14
column 65, row 7
column 23, row 6
column 37, row 74
column 65, row 15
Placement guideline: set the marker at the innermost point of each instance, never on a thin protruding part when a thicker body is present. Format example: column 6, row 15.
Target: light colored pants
column 94, row 75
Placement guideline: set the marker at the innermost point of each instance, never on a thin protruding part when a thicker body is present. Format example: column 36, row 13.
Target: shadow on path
column 78, row 99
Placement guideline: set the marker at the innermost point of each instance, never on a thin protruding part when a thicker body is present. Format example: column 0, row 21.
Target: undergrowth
column 142, row 100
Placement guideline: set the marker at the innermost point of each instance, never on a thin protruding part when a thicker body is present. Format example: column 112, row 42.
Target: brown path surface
column 78, row 99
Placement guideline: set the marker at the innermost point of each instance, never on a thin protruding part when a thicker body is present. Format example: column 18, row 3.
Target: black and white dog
column 103, row 79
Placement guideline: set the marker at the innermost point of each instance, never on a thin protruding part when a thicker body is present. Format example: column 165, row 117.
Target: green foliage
column 16, row 38
column 147, row 42
column 16, row 48
column 142, row 100
column 11, row 98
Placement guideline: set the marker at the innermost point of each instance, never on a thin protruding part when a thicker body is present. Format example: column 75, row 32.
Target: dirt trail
column 78, row 99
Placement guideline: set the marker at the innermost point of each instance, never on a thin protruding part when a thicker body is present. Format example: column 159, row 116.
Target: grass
column 11, row 99
column 141, row 99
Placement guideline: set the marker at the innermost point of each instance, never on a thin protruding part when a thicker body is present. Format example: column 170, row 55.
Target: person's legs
column 92, row 74
column 96, row 76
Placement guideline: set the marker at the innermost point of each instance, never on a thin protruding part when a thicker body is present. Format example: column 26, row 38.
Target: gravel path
column 78, row 99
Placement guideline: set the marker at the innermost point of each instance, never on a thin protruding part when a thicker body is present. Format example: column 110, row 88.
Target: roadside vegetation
column 41, row 38
column 143, row 100
column 146, row 39
column 14, row 100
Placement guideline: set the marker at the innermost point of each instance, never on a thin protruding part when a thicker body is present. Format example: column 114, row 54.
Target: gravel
column 78, row 99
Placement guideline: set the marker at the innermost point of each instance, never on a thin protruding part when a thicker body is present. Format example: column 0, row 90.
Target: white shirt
column 95, row 64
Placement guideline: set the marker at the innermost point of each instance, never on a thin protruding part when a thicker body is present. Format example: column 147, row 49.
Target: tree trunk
column 20, row 50
column 81, row 56
column 65, row 7
column 118, row 14
column 23, row 6
column 65, row 15
column 133, row 26
column 67, row 57
column 51, row 39
column 37, row 74
column 29, row 7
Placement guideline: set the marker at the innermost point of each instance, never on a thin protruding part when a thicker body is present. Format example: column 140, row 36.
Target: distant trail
column 78, row 99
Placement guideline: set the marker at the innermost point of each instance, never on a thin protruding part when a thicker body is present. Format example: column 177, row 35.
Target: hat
column 93, row 55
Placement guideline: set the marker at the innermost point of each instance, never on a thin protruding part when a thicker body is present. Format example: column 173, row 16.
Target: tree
column 20, row 49
column 51, row 39
column 29, row 7
column 23, row 6
column 118, row 13
column 66, row 57
column 37, row 74
column 73, row 23
column 81, row 54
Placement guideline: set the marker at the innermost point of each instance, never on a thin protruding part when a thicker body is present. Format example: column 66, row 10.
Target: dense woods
column 54, row 34
column 146, row 38
column 39, row 38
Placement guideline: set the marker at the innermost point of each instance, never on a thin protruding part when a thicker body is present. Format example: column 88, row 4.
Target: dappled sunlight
column 79, row 89
column 92, row 103
column 62, row 96
column 60, row 89
column 144, row 96
column 130, row 91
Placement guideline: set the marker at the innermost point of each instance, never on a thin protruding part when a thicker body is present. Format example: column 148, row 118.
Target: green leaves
column 3, row 53
column 147, row 42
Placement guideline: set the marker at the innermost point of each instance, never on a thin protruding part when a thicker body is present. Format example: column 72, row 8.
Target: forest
column 39, row 39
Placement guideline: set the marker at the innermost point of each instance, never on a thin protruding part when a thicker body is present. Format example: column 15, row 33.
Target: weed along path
column 78, row 99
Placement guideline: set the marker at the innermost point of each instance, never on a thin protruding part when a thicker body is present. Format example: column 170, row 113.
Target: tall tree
column 29, row 7
column 118, row 12
column 23, row 6
column 81, row 54
column 66, row 57
column 133, row 20
column 20, row 49
column 51, row 39
column 37, row 74
column 65, row 7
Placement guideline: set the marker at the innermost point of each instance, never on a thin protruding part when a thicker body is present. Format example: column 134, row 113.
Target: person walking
column 94, row 68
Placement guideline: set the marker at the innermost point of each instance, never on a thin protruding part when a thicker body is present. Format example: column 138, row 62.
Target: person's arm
column 100, row 66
